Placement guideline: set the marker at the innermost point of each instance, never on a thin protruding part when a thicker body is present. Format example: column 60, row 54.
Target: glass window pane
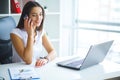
column 97, row 21
column 99, row 10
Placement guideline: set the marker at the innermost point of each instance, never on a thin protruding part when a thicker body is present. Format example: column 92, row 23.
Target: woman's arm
column 49, row 47
column 24, row 52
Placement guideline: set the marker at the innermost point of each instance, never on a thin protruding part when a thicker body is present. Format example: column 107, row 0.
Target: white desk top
column 51, row 71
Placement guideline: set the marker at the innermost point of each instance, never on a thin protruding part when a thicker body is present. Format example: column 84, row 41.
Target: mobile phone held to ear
column 26, row 16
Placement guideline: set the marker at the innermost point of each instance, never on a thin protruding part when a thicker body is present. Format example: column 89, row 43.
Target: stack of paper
column 26, row 73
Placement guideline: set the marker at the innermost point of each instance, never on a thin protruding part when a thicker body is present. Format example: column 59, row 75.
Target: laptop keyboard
column 75, row 63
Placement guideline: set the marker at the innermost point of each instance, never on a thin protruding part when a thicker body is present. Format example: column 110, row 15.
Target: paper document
column 25, row 73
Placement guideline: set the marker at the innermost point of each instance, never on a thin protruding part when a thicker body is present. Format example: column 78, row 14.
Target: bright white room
column 87, row 22
column 74, row 27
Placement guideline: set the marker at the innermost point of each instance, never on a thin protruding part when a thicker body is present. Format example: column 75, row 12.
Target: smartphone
column 26, row 16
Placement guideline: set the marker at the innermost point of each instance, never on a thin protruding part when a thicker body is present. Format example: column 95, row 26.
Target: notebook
column 95, row 55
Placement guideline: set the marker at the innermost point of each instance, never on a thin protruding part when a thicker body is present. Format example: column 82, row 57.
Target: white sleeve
column 43, row 32
column 17, row 32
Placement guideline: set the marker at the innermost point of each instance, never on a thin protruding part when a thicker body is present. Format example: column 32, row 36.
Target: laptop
column 95, row 55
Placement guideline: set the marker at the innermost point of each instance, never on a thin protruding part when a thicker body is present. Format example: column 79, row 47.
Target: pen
column 24, row 70
column 30, row 78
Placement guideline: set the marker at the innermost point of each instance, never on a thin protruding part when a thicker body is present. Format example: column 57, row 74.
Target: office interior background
column 88, row 22
column 74, row 25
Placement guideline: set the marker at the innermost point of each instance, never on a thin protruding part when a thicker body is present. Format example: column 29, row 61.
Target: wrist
column 45, row 58
column 31, row 36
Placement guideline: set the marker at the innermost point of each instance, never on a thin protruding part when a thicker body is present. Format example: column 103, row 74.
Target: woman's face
column 36, row 16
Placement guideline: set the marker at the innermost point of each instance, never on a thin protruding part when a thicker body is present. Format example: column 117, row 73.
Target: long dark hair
column 26, row 11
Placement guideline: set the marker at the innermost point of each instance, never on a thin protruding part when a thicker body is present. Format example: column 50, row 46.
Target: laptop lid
column 95, row 55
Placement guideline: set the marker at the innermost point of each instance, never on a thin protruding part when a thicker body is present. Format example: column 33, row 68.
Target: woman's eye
column 34, row 15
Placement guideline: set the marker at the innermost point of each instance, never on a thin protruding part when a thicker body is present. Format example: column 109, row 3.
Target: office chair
column 6, row 25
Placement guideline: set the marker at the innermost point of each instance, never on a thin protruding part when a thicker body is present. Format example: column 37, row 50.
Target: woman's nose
column 38, row 17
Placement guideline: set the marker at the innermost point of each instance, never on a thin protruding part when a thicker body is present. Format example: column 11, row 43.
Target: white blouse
column 37, row 47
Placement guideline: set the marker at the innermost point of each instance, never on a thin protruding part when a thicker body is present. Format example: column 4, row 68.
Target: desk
column 51, row 71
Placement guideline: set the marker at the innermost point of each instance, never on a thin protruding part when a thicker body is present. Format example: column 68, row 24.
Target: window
column 96, row 21
column 99, row 10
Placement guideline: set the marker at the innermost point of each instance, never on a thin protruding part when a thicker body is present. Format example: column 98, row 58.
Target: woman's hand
column 29, row 26
column 41, row 62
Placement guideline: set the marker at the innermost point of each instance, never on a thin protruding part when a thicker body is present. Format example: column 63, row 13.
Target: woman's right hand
column 29, row 26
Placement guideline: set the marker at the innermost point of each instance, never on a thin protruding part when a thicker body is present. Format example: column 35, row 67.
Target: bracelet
column 45, row 58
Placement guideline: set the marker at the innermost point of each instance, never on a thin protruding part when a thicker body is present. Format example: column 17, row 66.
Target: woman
column 29, row 37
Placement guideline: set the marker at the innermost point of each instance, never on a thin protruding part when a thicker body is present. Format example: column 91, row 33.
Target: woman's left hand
column 41, row 62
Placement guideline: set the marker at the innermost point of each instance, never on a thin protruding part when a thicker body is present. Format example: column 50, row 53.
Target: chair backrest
column 6, row 25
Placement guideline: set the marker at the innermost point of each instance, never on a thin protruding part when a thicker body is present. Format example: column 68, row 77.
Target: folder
column 15, row 6
column 23, row 73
